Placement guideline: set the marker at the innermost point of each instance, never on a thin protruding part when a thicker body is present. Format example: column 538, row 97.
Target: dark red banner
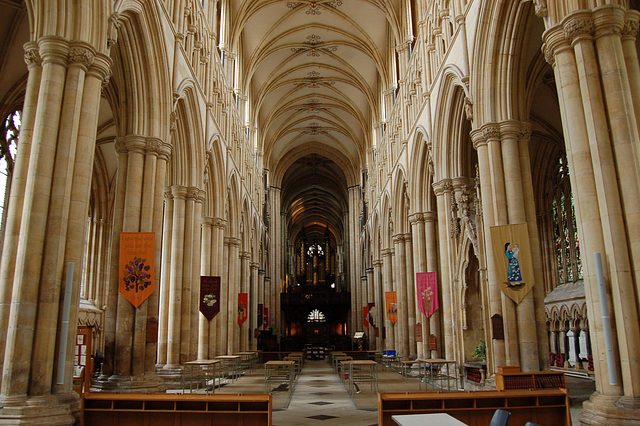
column 260, row 310
column 209, row 296
column 243, row 303
column 266, row 317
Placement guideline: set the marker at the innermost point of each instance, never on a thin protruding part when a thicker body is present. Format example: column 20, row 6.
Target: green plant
column 480, row 351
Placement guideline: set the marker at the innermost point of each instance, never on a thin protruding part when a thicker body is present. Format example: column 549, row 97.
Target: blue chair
column 500, row 418
column 531, row 424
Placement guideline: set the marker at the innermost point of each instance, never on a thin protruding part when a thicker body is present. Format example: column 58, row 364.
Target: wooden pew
column 102, row 409
column 542, row 406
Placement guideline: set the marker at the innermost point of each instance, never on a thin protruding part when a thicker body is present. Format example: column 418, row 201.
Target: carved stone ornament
column 548, row 55
column 112, row 31
column 577, row 27
column 541, row 8
column 32, row 56
column 81, row 55
column 630, row 28
column 491, row 132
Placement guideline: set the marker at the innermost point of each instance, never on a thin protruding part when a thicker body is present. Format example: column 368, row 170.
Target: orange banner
column 137, row 269
column 392, row 306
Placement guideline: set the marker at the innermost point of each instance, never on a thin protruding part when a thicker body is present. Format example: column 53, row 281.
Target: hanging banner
column 243, row 303
column 427, row 291
column 392, row 306
column 265, row 317
column 260, row 310
column 209, row 296
column 365, row 310
column 512, row 259
column 137, row 269
column 371, row 317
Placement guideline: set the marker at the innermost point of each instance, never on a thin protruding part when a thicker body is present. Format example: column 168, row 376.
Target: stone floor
column 319, row 396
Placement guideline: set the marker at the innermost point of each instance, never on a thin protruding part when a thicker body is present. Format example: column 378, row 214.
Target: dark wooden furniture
column 509, row 378
column 544, row 406
column 106, row 409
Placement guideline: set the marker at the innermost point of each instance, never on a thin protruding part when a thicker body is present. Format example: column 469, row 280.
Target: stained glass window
column 565, row 228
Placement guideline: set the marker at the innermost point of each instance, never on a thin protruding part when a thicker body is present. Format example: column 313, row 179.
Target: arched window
column 316, row 316
column 564, row 227
column 8, row 149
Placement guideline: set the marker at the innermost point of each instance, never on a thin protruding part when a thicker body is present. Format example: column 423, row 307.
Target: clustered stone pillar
column 129, row 358
column 379, row 301
column 402, row 326
column 507, row 196
column 52, row 181
column 596, row 70
column 442, row 189
column 387, row 285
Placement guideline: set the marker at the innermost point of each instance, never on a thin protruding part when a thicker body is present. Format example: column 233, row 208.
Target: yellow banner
column 512, row 260
column 137, row 269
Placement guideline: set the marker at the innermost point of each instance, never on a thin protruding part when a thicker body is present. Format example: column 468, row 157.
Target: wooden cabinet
column 176, row 409
column 547, row 407
column 509, row 378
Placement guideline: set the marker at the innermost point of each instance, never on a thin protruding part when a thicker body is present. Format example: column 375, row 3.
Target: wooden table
column 433, row 374
column 440, row 419
column 279, row 372
column 199, row 371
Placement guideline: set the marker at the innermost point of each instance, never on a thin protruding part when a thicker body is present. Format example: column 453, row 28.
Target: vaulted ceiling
column 313, row 72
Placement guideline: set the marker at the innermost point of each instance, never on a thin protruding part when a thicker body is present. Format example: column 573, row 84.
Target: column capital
column 32, row 54
column 387, row 252
column 207, row 221
column 578, row 25
column 631, row 26
column 398, row 238
column 54, row 49
column 416, row 218
column 158, row 147
column 377, row 263
column 254, row 265
column 442, row 186
column 555, row 41
column 195, row 193
column 179, row 191
column 509, row 128
column 81, row 54
column 608, row 20
column 130, row 143
column 219, row 223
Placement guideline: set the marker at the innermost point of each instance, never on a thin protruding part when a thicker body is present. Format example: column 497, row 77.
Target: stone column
column 431, row 248
column 163, row 321
column 253, row 303
column 601, row 139
column 233, row 329
column 245, row 277
column 399, row 269
column 420, row 262
column 442, row 190
column 216, row 345
column 179, row 194
column 371, row 298
column 52, row 182
column 205, row 270
column 387, row 285
column 411, row 293
column 379, row 301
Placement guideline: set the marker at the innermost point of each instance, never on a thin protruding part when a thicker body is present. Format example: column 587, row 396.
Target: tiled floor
column 320, row 398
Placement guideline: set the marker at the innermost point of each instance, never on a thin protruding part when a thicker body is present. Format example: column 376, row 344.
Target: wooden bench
column 543, row 406
column 106, row 409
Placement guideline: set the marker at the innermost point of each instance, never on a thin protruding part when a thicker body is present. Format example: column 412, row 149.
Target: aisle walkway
column 320, row 398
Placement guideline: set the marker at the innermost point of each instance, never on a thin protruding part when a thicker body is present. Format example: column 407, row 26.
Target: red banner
column 260, row 320
column 209, row 296
column 265, row 317
column 392, row 306
column 365, row 310
column 137, row 269
column 243, row 303
column 427, row 292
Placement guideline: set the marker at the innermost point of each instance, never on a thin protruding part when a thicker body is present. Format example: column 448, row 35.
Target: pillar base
column 171, row 374
column 610, row 410
column 148, row 383
column 59, row 409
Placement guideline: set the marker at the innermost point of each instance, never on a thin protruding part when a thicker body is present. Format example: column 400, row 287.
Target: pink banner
column 427, row 292
column 243, row 303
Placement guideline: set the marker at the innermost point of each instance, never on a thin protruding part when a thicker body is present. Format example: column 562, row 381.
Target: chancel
column 212, row 203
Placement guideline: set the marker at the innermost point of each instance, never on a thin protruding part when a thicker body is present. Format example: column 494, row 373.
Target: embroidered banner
column 243, row 303
column 209, row 296
column 427, row 291
column 512, row 260
column 260, row 310
column 137, row 269
column 365, row 310
column 392, row 306
column 265, row 316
